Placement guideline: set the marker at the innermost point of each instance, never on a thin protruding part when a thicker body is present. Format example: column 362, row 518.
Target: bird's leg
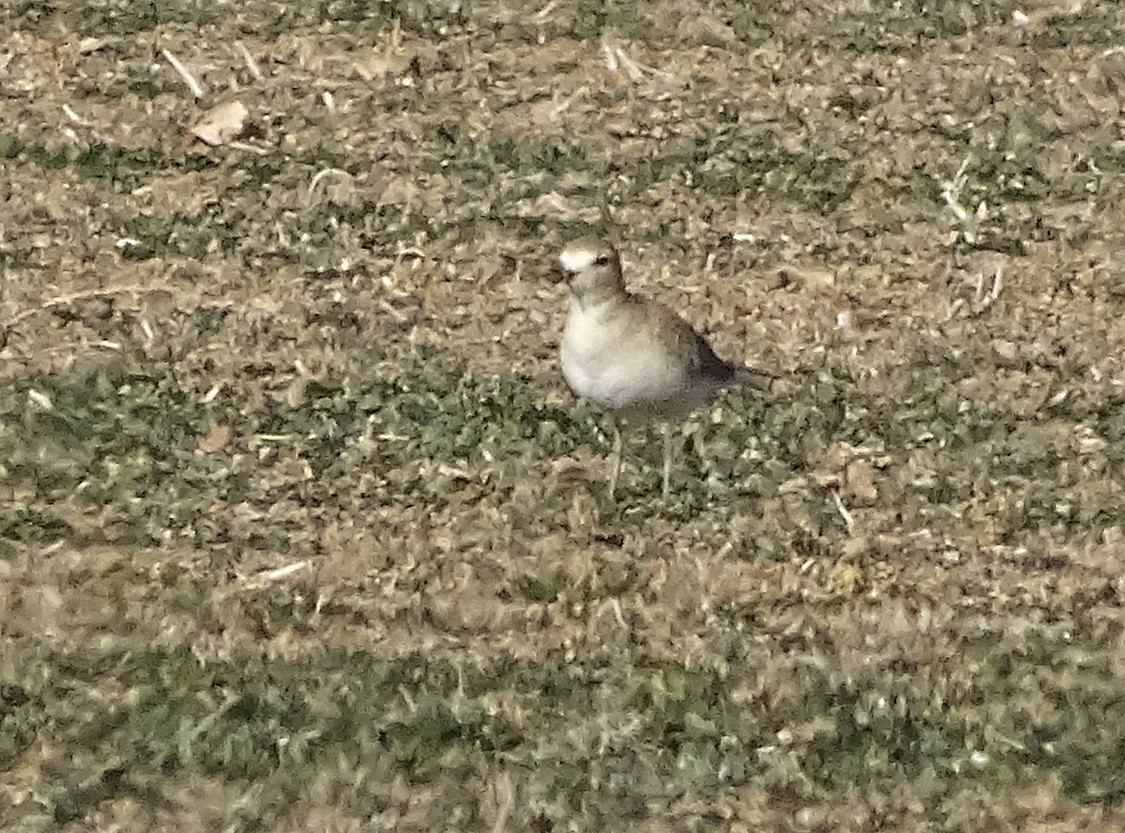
column 700, row 451
column 666, row 430
column 615, row 470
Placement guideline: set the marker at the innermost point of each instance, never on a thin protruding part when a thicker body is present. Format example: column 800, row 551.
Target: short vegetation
column 300, row 529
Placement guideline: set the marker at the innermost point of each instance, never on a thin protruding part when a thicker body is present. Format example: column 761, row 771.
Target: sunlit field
column 301, row 530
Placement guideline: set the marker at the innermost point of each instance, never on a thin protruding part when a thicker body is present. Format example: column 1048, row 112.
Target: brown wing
column 687, row 348
column 708, row 364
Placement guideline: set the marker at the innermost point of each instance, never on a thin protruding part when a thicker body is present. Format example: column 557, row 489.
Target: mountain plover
column 632, row 355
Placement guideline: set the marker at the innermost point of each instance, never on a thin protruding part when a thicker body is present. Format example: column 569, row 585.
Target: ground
column 301, row 530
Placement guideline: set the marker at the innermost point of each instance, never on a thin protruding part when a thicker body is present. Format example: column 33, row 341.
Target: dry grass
column 299, row 529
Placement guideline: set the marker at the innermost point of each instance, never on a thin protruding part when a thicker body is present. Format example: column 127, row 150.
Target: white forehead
column 576, row 258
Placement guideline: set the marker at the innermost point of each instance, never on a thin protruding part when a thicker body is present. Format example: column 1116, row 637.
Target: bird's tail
column 754, row 378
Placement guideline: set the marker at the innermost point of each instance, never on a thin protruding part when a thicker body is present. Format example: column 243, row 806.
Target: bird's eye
column 601, row 260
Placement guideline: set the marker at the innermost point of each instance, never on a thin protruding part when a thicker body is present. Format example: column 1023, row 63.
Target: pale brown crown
column 593, row 269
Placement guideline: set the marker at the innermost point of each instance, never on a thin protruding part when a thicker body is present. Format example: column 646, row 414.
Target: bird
column 632, row 355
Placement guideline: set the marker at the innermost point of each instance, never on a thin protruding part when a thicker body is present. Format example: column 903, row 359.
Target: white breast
column 607, row 362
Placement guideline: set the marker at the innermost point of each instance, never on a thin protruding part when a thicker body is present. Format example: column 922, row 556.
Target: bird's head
column 592, row 268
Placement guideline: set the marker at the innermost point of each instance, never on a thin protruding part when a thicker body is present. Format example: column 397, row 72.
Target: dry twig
column 341, row 174
column 983, row 297
column 269, row 576
column 970, row 222
column 189, row 79
column 251, row 64
column 849, row 521
column 616, row 58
